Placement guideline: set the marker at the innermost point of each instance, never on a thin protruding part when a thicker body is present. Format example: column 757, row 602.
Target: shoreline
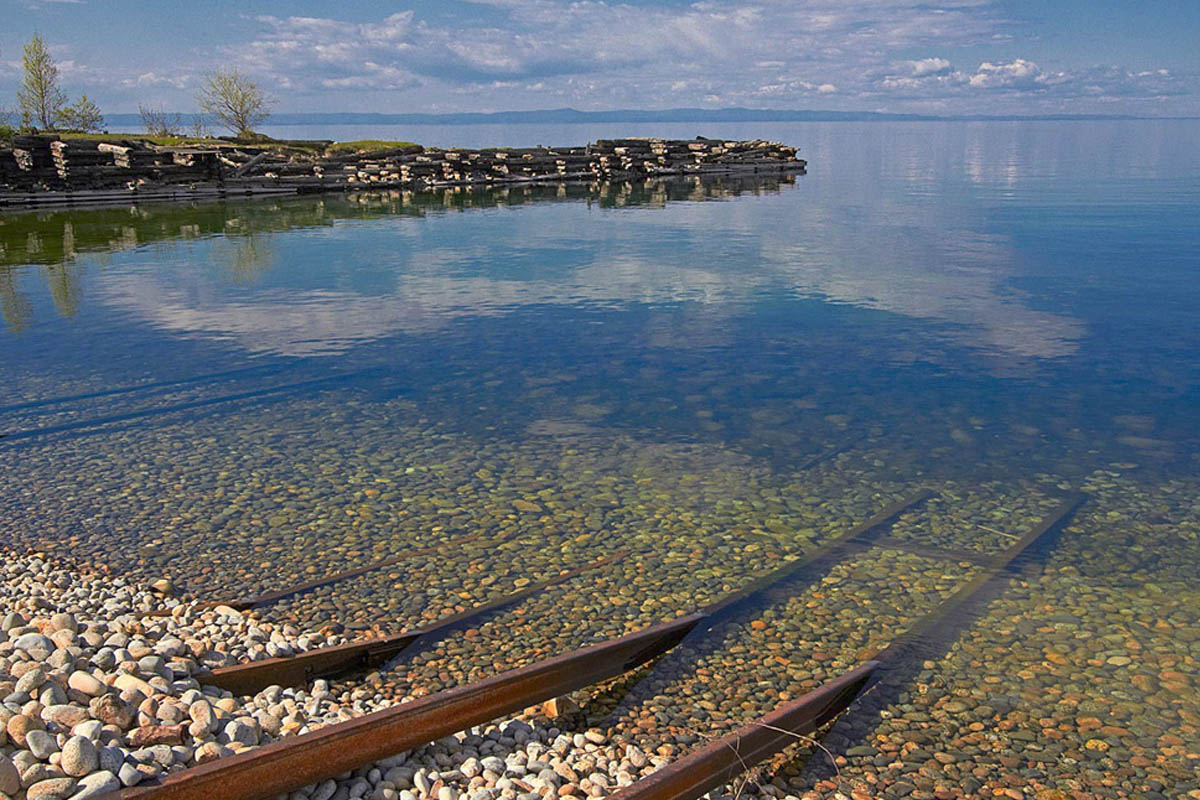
column 46, row 170
column 99, row 698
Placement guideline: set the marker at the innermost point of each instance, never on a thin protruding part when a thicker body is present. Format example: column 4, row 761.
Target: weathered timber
column 53, row 171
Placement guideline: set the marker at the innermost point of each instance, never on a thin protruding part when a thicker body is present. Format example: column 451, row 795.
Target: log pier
column 46, row 170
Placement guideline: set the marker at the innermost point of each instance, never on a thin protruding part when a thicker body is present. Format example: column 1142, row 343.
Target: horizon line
column 678, row 114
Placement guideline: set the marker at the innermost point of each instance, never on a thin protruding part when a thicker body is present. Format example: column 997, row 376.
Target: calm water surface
column 244, row 395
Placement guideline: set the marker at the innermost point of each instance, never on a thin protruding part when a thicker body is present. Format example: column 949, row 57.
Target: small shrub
column 160, row 123
column 82, row 117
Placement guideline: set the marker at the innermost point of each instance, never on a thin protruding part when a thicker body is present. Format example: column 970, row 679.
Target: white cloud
column 608, row 53
column 145, row 79
column 929, row 66
column 716, row 51
column 932, row 79
column 1017, row 73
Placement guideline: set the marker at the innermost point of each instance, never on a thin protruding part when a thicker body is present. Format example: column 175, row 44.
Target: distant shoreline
column 568, row 116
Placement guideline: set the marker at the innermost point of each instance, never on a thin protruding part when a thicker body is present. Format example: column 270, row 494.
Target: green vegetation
column 40, row 99
column 367, row 146
column 315, row 148
column 235, row 101
column 165, row 141
column 226, row 96
column 84, row 116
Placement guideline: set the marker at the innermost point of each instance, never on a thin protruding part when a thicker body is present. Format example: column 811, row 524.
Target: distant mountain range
column 566, row 116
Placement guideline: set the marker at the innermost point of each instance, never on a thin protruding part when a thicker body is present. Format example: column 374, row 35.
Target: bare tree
column 83, row 116
column 236, row 101
column 200, row 128
column 160, row 123
column 40, row 99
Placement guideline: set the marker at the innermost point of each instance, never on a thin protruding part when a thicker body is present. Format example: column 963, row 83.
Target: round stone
column 79, row 757
column 41, row 744
column 86, row 683
column 51, row 789
column 10, row 778
column 19, row 727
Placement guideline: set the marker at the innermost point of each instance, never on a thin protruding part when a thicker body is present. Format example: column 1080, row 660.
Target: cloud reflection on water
column 896, row 259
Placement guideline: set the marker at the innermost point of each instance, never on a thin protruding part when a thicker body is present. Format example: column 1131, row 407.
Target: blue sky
column 959, row 56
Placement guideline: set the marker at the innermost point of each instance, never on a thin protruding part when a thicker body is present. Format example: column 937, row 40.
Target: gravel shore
column 97, row 697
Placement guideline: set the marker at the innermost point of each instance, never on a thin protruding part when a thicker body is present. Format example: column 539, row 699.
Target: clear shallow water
column 241, row 395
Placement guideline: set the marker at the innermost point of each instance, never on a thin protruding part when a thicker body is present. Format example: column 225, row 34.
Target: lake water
column 241, row 396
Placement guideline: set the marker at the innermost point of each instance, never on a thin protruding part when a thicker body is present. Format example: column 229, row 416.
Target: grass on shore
column 367, row 146
column 314, row 147
column 161, row 141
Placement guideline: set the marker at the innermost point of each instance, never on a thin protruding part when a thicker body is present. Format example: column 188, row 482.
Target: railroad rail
column 328, row 662
column 855, row 534
column 357, row 656
column 717, row 763
column 722, row 760
column 274, row 597
column 829, row 452
column 294, row 762
column 291, row 763
column 288, row 764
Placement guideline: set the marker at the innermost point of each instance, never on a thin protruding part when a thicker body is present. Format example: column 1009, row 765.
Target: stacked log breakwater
column 47, row 170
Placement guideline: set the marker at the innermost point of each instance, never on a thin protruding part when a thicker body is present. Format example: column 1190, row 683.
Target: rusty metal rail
column 362, row 655
column 289, row 764
column 720, row 761
column 854, row 535
column 286, row 765
column 294, row 762
column 329, row 662
column 1041, row 534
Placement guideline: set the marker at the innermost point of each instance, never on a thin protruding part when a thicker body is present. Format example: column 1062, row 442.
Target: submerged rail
column 722, row 760
column 361, row 655
column 300, row 588
column 831, row 452
column 294, row 762
column 789, row 569
column 328, row 662
column 1041, row 533
column 286, row 765
column 718, row 762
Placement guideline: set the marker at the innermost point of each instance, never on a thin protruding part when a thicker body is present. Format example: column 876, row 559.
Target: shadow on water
column 146, row 388
column 257, row 394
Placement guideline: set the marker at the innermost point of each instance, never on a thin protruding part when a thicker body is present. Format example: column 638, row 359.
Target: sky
column 924, row 56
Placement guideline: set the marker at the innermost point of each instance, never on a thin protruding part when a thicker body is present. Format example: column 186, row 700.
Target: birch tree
column 40, row 99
